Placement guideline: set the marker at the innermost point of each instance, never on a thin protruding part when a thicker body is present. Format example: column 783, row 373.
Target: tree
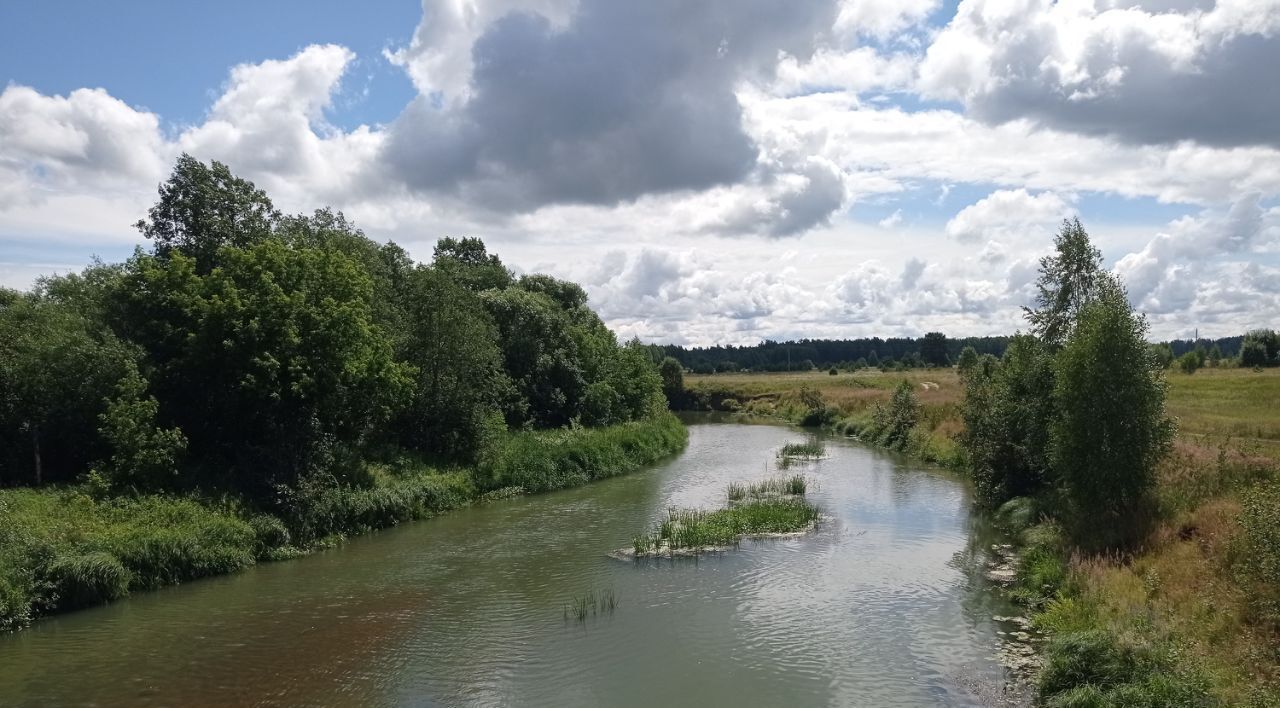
column 968, row 359
column 1008, row 410
column 933, row 349
column 144, row 457
column 1190, row 362
column 57, row 369
column 470, row 264
column 203, row 208
column 271, row 364
column 1260, row 347
column 1110, row 430
column 873, row 360
column 458, row 381
column 1067, row 282
column 1163, row 354
column 672, row 374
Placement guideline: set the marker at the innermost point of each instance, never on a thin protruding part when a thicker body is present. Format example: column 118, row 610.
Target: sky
column 712, row 172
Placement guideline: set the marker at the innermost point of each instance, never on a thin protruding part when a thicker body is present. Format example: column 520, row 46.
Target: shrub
column 85, row 579
column 1257, row 550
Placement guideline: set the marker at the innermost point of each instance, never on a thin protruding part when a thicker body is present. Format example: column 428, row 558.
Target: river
column 884, row 605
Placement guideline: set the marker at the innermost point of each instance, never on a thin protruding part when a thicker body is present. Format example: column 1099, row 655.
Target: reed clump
column 700, row 529
column 592, row 604
column 790, row 485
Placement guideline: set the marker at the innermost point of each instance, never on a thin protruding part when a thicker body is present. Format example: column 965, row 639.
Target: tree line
column 257, row 351
column 933, row 349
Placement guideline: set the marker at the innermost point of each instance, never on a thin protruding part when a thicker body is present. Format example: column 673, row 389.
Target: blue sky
column 724, row 171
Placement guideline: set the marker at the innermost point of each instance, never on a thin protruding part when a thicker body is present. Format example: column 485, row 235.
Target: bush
column 542, row 461
column 87, row 579
column 1257, row 550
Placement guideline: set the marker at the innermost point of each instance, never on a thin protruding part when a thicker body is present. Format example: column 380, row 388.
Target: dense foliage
column 1075, row 411
column 250, row 351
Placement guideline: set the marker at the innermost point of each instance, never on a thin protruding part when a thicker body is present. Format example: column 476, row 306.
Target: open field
column 1240, row 404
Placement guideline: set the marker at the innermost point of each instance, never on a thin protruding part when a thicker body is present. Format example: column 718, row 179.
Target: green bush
column 541, row 461
column 318, row 510
column 1256, row 555
column 87, row 579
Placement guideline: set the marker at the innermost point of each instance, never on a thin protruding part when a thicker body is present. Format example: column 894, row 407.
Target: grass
column 795, row 484
column 62, row 548
column 808, row 450
column 591, row 604
column 699, row 529
column 541, row 461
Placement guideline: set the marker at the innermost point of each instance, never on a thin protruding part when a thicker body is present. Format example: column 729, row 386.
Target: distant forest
column 807, row 354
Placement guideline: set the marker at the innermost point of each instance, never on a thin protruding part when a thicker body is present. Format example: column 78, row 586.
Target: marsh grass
column 791, row 485
column 699, row 529
column 592, row 604
column 808, row 450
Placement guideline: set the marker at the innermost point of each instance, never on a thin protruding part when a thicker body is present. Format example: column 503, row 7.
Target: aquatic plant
column 591, row 604
column 808, row 450
column 775, row 486
column 697, row 529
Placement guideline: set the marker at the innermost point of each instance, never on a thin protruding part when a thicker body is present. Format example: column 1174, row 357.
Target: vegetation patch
column 592, row 604
column 692, row 531
column 795, row 484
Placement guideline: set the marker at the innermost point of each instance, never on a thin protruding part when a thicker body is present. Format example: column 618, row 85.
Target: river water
column 884, row 605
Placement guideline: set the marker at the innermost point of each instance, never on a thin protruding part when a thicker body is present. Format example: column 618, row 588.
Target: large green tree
column 459, row 381
column 1110, row 430
column 271, row 364
column 203, row 208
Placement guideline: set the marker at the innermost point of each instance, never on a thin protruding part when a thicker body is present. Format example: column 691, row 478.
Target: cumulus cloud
column 1180, row 263
column 84, row 140
column 1008, row 214
column 1146, row 75
column 623, row 100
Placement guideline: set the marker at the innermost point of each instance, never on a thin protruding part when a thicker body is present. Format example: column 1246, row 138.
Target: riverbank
column 1191, row 614
column 63, row 548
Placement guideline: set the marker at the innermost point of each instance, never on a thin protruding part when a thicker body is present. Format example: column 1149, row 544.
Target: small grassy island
column 772, row 507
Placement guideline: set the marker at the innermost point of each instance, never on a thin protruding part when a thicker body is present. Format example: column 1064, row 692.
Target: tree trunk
column 35, row 448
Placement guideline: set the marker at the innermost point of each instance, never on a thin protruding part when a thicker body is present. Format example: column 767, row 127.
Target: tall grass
column 61, row 549
column 591, row 604
column 795, row 484
column 697, row 529
column 808, row 450
column 541, row 461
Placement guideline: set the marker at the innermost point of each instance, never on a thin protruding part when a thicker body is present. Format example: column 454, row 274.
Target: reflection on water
column 883, row 606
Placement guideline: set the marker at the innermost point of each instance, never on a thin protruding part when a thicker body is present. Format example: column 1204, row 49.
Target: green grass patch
column 808, row 450
column 795, row 484
column 698, row 529
column 541, row 461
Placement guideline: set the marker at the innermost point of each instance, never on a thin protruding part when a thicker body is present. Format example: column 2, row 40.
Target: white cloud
column 1007, row 215
column 1147, row 76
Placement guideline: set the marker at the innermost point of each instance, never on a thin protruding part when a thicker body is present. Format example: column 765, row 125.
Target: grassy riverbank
column 66, row 547
column 1192, row 617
